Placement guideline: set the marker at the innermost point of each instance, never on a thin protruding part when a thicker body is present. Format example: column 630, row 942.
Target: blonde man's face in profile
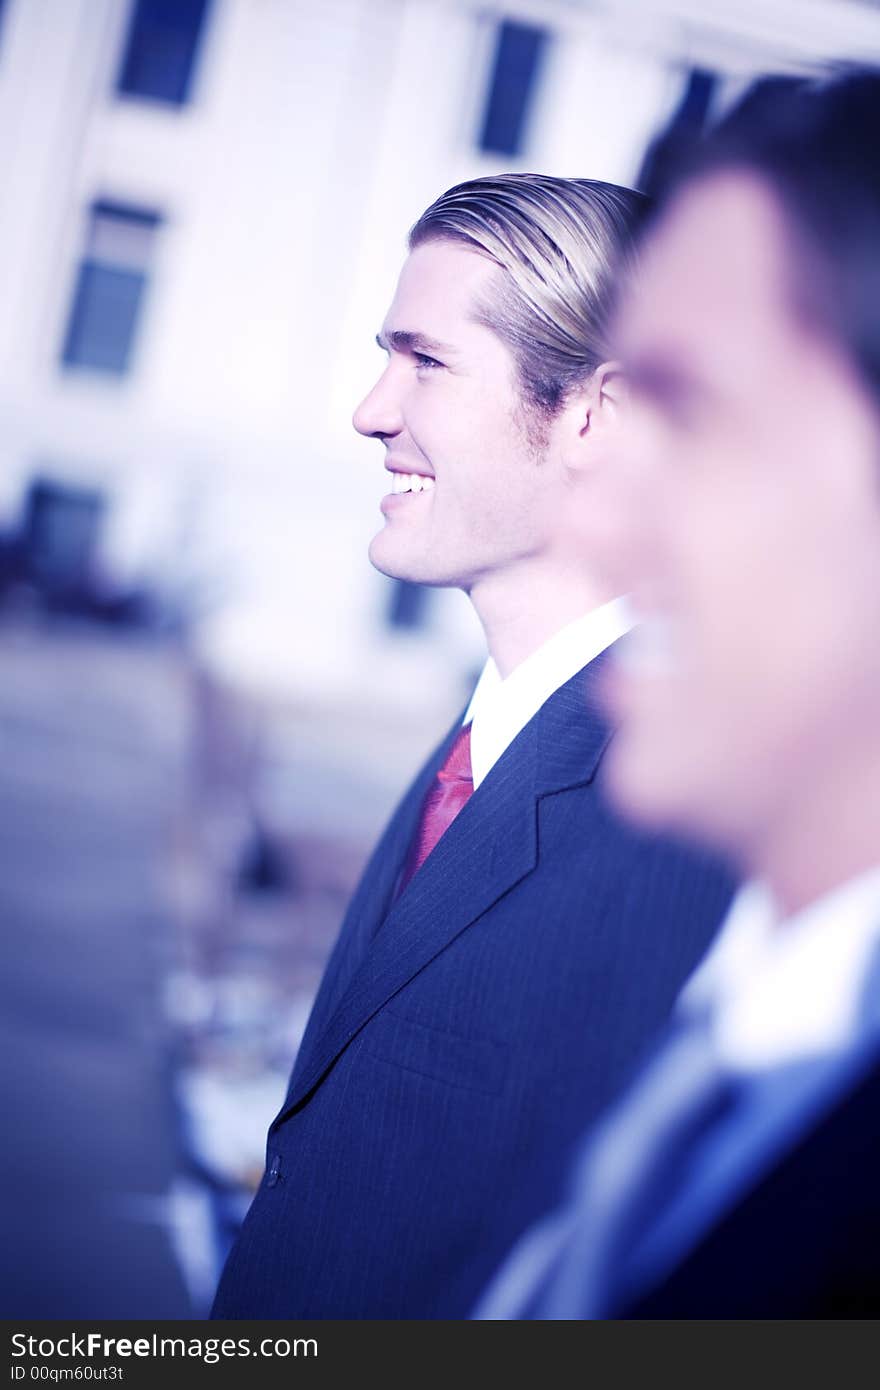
column 468, row 496
column 750, row 496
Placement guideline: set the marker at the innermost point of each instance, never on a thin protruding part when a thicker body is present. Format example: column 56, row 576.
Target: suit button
column 274, row 1173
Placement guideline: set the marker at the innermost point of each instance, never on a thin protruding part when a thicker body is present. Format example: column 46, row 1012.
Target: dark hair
column 816, row 144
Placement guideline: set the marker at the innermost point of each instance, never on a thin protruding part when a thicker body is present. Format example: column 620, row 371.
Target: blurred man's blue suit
column 466, row 1032
column 708, row 1192
column 793, row 1228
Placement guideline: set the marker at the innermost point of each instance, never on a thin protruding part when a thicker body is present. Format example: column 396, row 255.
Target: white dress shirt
column 778, row 991
column 500, row 709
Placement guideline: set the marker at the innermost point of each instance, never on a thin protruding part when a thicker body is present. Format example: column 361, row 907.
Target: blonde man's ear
column 610, row 388
column 595, row 407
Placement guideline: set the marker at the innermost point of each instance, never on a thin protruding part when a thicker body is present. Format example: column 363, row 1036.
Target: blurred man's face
column 469, row 494
column 751, row 501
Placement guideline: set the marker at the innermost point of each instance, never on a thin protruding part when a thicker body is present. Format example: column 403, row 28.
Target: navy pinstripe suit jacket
column 465, row 1034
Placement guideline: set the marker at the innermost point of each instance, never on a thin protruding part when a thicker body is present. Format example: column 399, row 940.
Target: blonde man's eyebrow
column 405, row 340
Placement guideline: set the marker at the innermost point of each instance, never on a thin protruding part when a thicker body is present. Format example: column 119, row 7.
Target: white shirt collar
column 500, row 709
column 778, row 991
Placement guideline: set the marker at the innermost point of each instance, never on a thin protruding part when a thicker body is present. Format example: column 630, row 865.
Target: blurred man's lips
column 650, row 648
column 649, row 652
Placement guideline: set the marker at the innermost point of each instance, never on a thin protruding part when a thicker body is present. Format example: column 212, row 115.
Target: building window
column 110, row 288
column 519, row 52
column 161, row 49
column 60, row 533
column 408, row 605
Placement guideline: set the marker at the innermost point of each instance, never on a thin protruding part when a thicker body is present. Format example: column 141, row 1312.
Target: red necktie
column 452, row 788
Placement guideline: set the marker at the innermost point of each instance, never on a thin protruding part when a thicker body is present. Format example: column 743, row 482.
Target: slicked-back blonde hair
column 562, row 245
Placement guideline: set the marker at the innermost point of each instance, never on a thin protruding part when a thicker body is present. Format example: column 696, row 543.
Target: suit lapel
column 372, row 899
column 489, row 848
column 370, row 903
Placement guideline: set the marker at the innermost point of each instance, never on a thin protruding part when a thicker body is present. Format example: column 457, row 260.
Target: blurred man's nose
column 378, row 414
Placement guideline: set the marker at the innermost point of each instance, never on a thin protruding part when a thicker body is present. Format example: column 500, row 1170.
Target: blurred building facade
column 205, row 206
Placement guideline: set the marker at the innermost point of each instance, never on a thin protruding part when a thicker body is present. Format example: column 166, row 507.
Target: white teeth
column 410, row 482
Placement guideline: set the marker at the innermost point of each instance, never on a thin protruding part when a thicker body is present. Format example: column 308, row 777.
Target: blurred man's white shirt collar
column 500, row 709
column 778, row 991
